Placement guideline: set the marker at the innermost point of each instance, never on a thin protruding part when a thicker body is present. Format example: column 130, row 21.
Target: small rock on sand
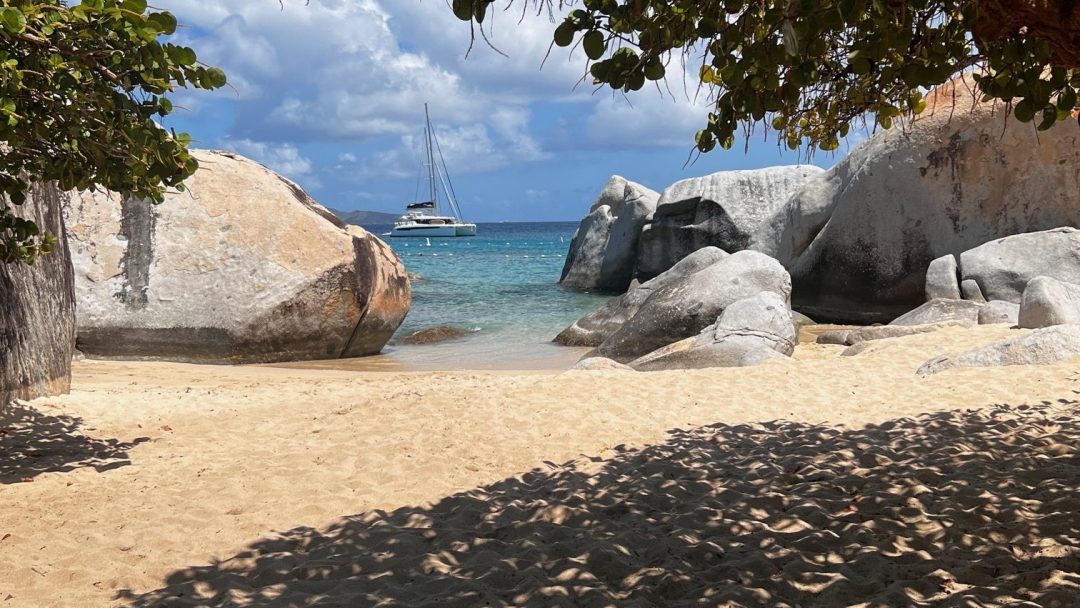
column 936, row 311
column 835, row 336
column 601, row 363
column 999, row 311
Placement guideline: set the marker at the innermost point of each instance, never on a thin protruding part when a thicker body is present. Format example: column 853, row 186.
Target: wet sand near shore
column 543, row 358
column 821, row 481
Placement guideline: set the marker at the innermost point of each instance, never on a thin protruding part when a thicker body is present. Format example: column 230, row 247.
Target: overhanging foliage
column 808, row 69
column 81, row 90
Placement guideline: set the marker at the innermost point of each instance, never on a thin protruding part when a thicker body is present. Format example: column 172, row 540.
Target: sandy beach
column 822, row 481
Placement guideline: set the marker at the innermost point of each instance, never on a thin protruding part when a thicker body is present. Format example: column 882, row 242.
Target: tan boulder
column 242, row 267
column 859, row 237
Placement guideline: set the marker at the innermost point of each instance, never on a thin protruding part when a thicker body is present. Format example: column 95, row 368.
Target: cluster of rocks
column 950, row 221
column 858, row 239
column 242, row 267
column 710, row 309
column 1031, row 299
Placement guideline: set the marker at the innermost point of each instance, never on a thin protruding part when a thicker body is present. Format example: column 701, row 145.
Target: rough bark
column 37, row 311
column 1055, row 21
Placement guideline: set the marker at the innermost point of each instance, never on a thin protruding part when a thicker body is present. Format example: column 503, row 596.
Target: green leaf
column 564, row 34
column 13, row 19
column 164, row 22
column 654, row 69
column 1024, row 110
column 1067, row 100
column 463, row 9
column 216, row 77
column 181, row 55
column 707, row 74
column 593, row 44
column 1049, row 118
column 705, row 141
column 135, row 6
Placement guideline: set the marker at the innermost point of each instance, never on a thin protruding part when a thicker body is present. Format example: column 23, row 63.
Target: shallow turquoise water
column 501, row 285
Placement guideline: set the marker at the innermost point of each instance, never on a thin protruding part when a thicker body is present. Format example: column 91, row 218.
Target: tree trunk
column 1055, row 21
column 37, row 310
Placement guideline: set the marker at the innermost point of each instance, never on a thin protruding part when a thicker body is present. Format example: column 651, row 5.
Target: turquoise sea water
column 501, row 286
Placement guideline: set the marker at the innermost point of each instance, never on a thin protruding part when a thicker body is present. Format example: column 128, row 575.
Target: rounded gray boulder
column 685, row 307
column 732, row 210
column 748, row 332
column 602, row 252
column 597, row 326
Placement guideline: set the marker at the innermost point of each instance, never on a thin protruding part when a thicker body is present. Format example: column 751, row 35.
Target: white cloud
column 283, row 158
column 667, row 113
column 333, row 69
column 645, row 120
column 357, row 71
column 466, row 149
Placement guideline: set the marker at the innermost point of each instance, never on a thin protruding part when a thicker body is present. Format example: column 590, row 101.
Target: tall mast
column 431, row 158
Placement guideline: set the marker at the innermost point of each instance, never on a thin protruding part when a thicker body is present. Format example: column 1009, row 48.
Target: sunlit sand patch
column 826, row 481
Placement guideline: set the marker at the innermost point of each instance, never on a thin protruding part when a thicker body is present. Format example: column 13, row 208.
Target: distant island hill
column 359, row 218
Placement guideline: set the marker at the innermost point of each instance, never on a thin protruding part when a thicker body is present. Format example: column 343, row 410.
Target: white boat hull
column 443, row 230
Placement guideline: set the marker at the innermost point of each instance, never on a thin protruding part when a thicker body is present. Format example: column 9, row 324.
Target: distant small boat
column 417, row 220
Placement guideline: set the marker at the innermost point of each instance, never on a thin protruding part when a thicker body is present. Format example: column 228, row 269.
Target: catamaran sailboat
column 423, row 218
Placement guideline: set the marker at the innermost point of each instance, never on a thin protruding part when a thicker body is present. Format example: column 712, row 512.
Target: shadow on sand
column 959, row 508
column 32, row 443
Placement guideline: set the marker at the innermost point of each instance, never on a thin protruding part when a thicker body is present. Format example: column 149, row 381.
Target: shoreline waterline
column 439, row 358
column 500, row 287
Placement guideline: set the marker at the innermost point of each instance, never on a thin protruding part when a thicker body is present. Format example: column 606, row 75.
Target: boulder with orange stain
column 243, row 267
column 858, row 238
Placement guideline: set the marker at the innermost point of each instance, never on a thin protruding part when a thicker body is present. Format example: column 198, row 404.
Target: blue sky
column 332, row 94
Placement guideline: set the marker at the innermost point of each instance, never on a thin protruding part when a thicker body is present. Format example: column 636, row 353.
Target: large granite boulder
column 243, row 267
column 1040, row 347
column 748, row 332
column 601, row 255
column 597, row 326
column 732, row 210
column 685, row 307
column 1048, row 301
column 37, row 310
column 1003, row 267
column 858, row 239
